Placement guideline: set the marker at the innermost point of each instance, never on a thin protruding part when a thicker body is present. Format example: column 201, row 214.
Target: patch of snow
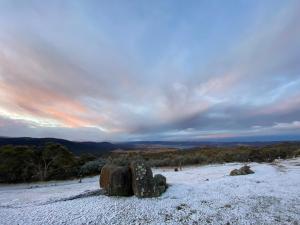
column 197, row 195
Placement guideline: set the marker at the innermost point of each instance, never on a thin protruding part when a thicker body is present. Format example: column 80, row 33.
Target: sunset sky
column 150, row 70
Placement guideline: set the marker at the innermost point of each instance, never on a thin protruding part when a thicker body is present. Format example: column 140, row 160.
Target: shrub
column 92, row 167
column 297, row 153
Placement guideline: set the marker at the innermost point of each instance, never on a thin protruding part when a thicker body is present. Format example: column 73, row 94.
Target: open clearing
column 197, row 195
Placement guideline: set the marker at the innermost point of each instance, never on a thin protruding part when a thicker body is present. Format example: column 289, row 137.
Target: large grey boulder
column 116, row 180
column 142, row 179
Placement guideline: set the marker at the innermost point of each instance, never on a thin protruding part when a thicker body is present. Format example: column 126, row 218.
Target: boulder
column 235, row 172
column 245, row 170
column 105, row 174
column 120, row 182
column 116, row 180
column 142, row 179
column 160, row 180
column 160, row 184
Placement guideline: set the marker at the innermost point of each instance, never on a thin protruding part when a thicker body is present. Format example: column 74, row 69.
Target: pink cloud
column 281, row 106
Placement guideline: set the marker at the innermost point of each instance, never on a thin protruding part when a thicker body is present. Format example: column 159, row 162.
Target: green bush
column 297, row 153
column 92, row 167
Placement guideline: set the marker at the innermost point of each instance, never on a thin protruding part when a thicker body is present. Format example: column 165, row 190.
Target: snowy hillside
column 197, row 195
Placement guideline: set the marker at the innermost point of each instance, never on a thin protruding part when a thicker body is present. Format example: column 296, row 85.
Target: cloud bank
column 149, row 71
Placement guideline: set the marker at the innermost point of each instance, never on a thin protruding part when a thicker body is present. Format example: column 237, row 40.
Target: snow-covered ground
column 197, row 195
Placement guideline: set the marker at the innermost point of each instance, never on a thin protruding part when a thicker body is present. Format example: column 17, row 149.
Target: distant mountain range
column 75, row 147
column 192, row 144
column 98, row 148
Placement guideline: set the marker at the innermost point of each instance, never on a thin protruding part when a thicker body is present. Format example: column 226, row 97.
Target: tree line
column 55, row 162
column 210, row 155
column 50, row 162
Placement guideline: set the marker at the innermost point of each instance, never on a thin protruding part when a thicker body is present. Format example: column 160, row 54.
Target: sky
column 150, row 70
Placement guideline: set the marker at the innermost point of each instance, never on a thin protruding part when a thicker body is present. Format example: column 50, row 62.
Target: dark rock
column 160, row 184
column 176, row 169
column 245, row 170
column 116, row 180
column 120, row 182
column 142, row 179
column 105, row 174
column 235, row 172
column 160, row 180
column 182, row 206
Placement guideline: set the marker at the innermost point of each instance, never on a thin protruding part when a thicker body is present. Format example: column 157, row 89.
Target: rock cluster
column 137, row 179
column 242, row 171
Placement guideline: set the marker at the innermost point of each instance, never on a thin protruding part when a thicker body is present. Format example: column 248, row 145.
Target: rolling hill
column 77, row 148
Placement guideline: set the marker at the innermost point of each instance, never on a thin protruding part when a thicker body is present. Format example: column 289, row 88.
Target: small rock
column 160, row 184
column 242, row 171
column 235, row 172
column 246, row 170
column 181, row 206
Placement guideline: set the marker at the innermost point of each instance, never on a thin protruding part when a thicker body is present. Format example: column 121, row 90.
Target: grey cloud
column 107, row 85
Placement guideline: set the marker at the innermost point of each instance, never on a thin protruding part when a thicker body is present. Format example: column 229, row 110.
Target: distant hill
column 98, row 148
column 190, row 144
column 77, row 148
